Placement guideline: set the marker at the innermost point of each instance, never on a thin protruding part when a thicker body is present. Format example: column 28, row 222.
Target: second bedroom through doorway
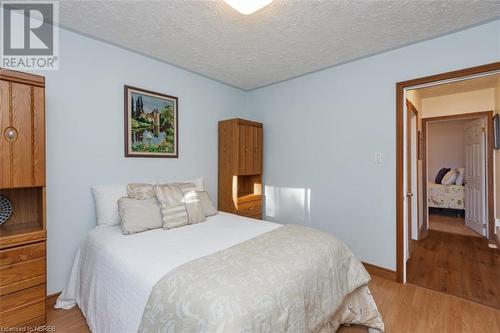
column 452, row 181
column 451, row 147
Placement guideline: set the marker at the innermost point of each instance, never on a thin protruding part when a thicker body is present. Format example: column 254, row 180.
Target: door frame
column 400, row 96
column 489, row 166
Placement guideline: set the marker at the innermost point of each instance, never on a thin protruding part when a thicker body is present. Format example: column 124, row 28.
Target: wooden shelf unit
column 22, row 181
column 240, row 167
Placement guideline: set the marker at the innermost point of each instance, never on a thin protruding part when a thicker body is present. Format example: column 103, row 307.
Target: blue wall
column 322, row 131
column 84, row 102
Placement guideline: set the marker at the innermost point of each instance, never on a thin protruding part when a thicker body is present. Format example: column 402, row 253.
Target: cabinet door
column 22, row 150
column 5, row 158
column 244, row 150
column 256, row 150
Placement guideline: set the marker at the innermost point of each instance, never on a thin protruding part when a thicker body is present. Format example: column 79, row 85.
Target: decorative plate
column 5, row 209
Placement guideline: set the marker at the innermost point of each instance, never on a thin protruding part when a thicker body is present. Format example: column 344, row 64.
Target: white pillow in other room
column 450, row 177
column 460, row 176
column 106, row 203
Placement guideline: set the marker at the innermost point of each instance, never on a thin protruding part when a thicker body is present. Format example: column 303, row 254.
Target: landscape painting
column 150, row 124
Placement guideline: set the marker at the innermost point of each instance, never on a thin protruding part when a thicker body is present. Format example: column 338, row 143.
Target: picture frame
column 151, row 123
column 496, row 131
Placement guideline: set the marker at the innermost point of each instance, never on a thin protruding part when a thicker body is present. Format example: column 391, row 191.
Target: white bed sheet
column 113, row 274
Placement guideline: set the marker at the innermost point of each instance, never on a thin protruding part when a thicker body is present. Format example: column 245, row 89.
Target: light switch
column 378, row 157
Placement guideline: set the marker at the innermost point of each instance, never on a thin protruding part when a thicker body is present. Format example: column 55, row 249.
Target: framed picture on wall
column 151, row 124
column 496, row 131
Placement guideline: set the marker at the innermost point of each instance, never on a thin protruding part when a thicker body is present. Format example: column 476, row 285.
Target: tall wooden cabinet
column 22, row 181
column 240, row 167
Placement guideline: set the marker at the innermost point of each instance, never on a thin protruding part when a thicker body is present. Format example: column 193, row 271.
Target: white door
column 475, row 176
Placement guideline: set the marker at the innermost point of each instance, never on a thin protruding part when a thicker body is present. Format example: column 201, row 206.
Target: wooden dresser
column 240, row 167
column 22, row 181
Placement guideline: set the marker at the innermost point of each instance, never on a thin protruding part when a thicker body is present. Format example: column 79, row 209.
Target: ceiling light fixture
column 246, row 7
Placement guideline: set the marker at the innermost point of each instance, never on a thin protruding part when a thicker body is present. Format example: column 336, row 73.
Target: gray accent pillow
column 179, row 204
column 139, row 215
column 206, row 203
column 140, row 191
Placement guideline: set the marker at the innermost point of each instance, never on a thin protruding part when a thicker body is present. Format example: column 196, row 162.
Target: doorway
column 444, row 218
column 458, row 145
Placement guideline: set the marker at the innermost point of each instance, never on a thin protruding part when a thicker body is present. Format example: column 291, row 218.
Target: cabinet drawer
column 250, row 208
column 22, row 253
column 23, row 314
column 22, row 297
column 257, row 216
column 21, row 271
column 23, row 284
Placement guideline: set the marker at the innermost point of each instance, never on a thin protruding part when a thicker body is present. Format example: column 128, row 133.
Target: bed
column 445, row 196
column 116, row 280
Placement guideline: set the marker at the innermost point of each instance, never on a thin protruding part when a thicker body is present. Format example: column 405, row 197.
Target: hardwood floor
column 404, row 308
column 451, row 224
column 463, row 266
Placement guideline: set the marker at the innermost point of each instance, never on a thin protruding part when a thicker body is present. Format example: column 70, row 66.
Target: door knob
column 10, row 134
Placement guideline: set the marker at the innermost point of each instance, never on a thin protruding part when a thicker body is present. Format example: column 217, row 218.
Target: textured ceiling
column 281, row 41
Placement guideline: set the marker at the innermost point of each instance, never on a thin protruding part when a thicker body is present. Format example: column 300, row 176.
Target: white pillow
column 460, row 176
column 106, row 203
column 450, row 177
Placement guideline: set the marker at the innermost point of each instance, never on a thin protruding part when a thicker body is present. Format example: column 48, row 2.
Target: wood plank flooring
column 458, row 265
column 451, row 224
column 404, row 308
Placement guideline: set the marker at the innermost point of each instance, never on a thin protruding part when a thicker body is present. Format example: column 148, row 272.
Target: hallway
column 458, row 265
column 450, row 223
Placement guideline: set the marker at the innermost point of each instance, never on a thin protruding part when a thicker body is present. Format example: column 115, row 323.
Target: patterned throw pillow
column 140, row 191
column 449, row 178
column 180, row 204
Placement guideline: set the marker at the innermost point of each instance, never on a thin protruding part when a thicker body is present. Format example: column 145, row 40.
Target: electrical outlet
column 378, row 157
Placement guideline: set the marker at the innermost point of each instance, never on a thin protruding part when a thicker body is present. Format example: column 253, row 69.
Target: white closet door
column 475, row 176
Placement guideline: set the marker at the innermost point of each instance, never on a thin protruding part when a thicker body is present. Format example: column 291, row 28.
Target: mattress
column 445, row 196
column 113, row 274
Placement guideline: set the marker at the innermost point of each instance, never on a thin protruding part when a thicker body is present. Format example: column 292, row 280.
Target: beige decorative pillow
column 179, row 204
column 449, row 178
column 139, row 215
column 206, row 203
column 140, row 191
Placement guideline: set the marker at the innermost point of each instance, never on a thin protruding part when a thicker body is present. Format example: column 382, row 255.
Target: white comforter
column 113, row 274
